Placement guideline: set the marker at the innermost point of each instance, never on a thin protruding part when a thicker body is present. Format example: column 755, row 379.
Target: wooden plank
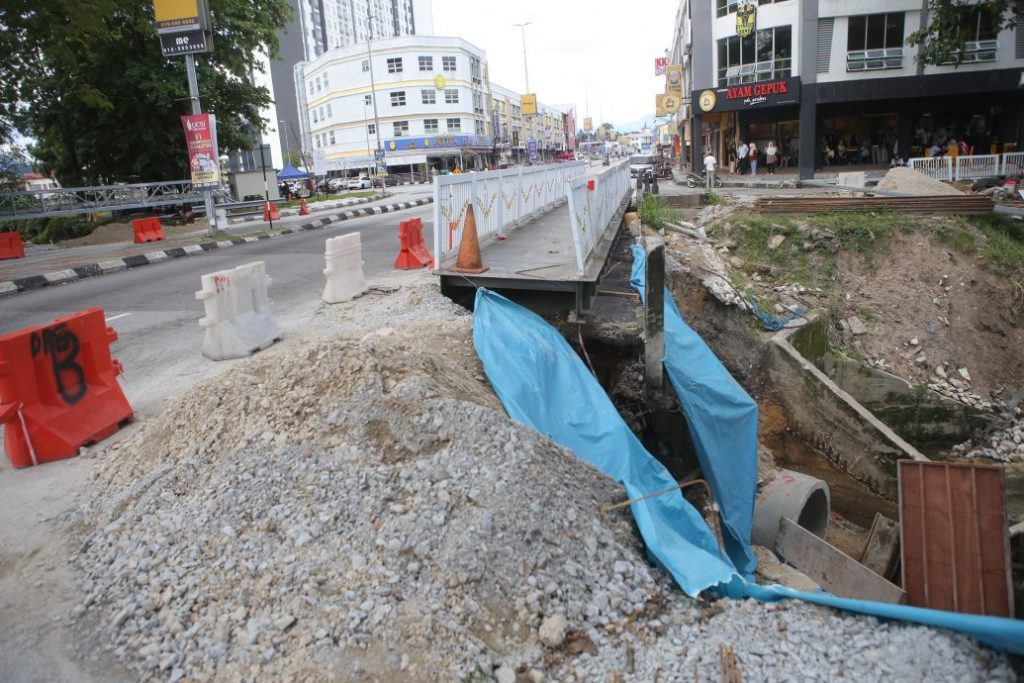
column 882, row 549
column 955, row 547
column 832, row 569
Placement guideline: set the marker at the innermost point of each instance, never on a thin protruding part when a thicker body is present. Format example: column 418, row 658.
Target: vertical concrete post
column 654, row 315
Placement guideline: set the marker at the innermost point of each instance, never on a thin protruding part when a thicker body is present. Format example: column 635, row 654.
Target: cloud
column 578, row 52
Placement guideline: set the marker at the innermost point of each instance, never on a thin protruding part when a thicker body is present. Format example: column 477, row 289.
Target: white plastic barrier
column 238, row 318
column 940, row 168
column 977, row 166
column 344, row 271
column 501, row 200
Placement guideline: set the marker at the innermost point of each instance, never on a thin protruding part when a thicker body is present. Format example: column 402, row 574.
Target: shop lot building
column 435, row 107
column 813, row 73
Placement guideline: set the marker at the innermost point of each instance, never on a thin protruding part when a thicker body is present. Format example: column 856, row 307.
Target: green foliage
column 10, row 158
column 867, row 313
column 959, row 239
column 655, row 214
column 951, row 23
column 57, row 229
column 86, row 78
column 1005, row 241
column 714, row 199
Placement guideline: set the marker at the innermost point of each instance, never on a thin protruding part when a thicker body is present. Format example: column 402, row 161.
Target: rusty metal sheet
column 953, row 537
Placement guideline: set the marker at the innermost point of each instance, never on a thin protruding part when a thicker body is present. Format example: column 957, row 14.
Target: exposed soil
column 111, row 233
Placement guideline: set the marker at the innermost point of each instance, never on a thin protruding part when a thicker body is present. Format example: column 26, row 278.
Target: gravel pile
column 360, row 508
column 909, row 181
column 1005, row 445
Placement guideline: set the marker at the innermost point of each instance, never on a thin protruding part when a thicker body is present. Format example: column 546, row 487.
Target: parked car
column 358, row 183
column 385, row 181
column 638, row 163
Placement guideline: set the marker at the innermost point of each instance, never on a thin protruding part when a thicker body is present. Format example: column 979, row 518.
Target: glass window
column 401, row 128
column 325, row 80
column 762, row 56
column 332, row 137
column 448, row 63
column 454, row 125
column 875, row 32
column 451, row 96
column 328, row 109
column 430, row 126
column 426, row 63
column 428, row 96
column 398, row 98
column 394, row 65
column 371, row 129
column 366, row 64
column 367, row 100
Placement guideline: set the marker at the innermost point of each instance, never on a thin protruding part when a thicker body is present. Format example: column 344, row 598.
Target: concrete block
column 193, row 249
column 112, row 266
column 8, row 288
column 857, row 326
column 59, row 276
column 156, row 256
column 224, row 244
column 882, row 549
column 835, row 571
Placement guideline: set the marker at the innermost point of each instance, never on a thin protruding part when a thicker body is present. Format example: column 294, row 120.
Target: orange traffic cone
column 469, row 259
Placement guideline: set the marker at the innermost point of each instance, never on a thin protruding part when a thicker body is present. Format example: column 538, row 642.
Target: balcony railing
column 874, row 60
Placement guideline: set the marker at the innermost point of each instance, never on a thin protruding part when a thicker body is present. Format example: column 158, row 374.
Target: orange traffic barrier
column 418, row 247
column 58, row 388
column 270, row 212
column 147, row 230
column 303, row 207
column 410, row 254
column 469, row 259
column 11, row 245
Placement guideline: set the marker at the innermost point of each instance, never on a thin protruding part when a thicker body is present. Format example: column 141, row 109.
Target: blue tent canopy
column 289, row 172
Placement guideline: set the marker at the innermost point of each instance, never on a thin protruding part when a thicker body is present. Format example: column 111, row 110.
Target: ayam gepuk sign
column 201, row 141
column 752, row 95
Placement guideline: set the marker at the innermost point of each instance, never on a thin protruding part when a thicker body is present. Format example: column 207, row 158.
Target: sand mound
column 909, row 181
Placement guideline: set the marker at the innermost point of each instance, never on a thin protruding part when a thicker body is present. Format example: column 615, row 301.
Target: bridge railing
column 501, row 200
column 74, row 200
column 592, row 203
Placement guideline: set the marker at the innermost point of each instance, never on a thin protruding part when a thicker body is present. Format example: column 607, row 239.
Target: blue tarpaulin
column 722, row 420
column 543, row 384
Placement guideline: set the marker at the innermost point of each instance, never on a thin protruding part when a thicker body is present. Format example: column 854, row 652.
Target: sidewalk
column 46, row 266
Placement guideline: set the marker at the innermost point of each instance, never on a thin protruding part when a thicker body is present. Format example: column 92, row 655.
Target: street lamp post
column 287, row 146
column 373, row 97
column 266, row 190
column 526, row 71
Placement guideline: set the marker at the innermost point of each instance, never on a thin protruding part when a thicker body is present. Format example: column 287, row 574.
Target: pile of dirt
column 908, row 181
column 112, row 233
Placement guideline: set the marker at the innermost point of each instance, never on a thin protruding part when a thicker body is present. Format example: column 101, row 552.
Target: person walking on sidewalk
column 743, row 155
column 710, row 164
column 771, row 155
column 754, row 154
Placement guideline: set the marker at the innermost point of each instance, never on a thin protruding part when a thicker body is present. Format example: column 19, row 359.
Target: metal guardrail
column 77, row 200
column 591, row 210
column 501, row 200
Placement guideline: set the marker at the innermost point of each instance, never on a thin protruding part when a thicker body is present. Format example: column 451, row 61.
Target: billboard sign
column 529, row 104
column 175, row 16
column 185, row 43
column 201, row 141
column 784, row 91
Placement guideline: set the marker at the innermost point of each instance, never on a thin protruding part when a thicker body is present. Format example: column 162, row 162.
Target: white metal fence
column 969, row 167
column 591, row 210
column 940, row 168
column 501, row 200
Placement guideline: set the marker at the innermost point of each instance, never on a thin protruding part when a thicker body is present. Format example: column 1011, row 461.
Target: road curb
column 343, row 204
column 89, row 270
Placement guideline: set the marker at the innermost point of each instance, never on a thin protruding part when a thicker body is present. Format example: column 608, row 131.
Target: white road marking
column 115, row 317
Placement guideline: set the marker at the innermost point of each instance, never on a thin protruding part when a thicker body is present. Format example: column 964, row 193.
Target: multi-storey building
column 813, row 73
column 434, row 106
column 316, row 27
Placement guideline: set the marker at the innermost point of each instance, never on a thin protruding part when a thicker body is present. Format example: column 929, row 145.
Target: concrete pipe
column 801, row 498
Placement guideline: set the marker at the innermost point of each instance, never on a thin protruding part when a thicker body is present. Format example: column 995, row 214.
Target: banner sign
column 529, row 104
column 660, row 64
column 659, row 105
column 201, row 141
column 531, row 147
column 674, row 80
column 588, row 123
column 570, row 130
column 749, row 95
column 439, row 141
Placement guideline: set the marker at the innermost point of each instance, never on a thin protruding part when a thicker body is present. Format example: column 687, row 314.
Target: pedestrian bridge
column 70, row 201
column 545, row 230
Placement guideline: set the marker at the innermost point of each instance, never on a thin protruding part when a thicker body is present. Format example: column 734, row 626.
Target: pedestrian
column 771, row 155
column 743, row 154
column 754, row 154
column 732, row 157
column 710, row 164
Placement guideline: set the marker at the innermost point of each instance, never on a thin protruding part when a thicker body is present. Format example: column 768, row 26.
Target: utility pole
column 193, row 94
column 378, row 154
column 266, row 188
column 526, row 71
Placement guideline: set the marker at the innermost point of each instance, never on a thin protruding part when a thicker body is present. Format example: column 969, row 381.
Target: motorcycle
column 699, row 180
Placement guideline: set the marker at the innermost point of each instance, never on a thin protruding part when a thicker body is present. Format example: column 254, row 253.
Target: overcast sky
column 613, row 46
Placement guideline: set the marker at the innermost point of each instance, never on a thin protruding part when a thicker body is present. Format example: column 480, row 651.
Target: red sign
column 660, row 63
column 201, row 140
column 781, row 92
column 758, row 90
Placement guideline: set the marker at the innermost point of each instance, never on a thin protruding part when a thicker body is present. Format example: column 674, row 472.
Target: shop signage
column 201, row 141
column 659, row 66
column 439, row 141
column 674, row 80
column 746, row 19
column 659, row 105
column 749, row 95
column 528, row 102
column 183, row 27
column 671, row 103
column 440, row 82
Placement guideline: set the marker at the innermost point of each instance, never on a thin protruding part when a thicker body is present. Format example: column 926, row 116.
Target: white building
column 813, row 71
column 434, row 105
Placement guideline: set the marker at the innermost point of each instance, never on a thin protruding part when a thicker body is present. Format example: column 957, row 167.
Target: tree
column 12, row 160
column 102, row 101
column 952, row 23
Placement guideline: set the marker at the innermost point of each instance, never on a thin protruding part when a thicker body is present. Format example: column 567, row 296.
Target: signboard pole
column 193, row 94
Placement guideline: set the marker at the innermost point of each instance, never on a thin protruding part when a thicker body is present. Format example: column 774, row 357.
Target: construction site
column 628, row 433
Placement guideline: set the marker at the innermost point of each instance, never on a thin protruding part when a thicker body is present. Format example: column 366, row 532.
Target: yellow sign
column 659, row 105
column 177, row 15
column 746, row 19
column 529, row 104
column 707, row 100
column 671, row 103
column 588, row 124
column 439, row 82
column 674, row 80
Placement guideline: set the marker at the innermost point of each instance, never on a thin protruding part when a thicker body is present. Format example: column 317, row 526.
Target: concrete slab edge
column 75, row 273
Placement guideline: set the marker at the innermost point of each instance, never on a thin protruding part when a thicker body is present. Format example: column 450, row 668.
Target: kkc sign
column 749, row 95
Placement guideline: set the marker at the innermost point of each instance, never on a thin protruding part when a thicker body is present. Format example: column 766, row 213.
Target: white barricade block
column 238, row 318
column 344, row 271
